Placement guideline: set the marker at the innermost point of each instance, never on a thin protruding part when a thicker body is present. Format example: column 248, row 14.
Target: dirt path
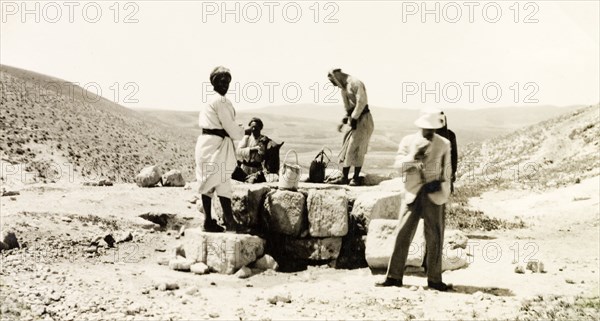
column 54, row 278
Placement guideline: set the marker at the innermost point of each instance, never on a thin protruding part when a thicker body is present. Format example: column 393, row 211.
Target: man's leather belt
column 365, row 110
column 216, row 132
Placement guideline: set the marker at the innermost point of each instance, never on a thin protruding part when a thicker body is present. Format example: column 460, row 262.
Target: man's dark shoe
column 212, row 226
column 440, row 286
column 389, row 282
column 355, row 182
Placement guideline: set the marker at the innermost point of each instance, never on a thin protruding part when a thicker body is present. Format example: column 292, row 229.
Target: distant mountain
column 307, row 128
column 470, row 125
column 45, row 120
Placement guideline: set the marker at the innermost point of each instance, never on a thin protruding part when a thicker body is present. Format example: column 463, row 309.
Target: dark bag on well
column 316, row 173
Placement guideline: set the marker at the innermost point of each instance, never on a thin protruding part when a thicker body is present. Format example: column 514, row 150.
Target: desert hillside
column 46, row 121
column 559, row 151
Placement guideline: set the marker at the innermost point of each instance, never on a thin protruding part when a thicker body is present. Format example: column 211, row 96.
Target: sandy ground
column 53, row 277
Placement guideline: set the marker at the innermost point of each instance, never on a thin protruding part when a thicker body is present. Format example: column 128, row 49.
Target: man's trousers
column 433, row 215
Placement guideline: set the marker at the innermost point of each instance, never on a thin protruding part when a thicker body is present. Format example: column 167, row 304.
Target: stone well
column 316, row 224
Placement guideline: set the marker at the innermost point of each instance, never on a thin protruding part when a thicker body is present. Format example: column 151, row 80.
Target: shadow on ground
column 469, row 289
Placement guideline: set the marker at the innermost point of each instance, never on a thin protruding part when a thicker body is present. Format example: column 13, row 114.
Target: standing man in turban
column 360, row 120
column 215, row 151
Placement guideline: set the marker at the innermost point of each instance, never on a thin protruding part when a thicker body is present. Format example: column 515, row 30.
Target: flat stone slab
column 327, row 213
column 380, row 244
column 382, row 236
column 223, row 252
column 285, row 212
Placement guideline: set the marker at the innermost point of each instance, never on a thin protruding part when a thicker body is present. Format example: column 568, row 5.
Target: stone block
column 223, row 252
column 327, row 213
column 247, row 202
column 284, row 212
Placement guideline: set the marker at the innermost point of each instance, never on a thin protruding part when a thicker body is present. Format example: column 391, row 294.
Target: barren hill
column 470, row 125
column 46, row 122
column 560, row 151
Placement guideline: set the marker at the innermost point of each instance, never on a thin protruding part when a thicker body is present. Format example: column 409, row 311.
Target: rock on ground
column 266, row 262
column 284, row 212
column 199, row 268
column 10, row 241
column 244, row 272
column 105, row 182
column 173, row 178
column 222, row 252
column 536, row 266
column 180, row 264
column 327, row 213
column 148, row 177
column 10, row 193
column 167, row 286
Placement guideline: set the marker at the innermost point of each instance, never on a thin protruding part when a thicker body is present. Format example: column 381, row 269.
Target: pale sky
column 167, row 55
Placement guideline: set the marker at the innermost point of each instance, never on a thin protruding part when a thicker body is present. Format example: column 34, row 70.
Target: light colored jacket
column 435, row 166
